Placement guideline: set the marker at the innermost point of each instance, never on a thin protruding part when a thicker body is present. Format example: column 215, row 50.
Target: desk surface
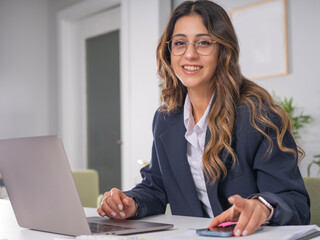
column 9, row 228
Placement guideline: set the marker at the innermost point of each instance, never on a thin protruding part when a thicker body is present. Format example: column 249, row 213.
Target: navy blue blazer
column 168, row 179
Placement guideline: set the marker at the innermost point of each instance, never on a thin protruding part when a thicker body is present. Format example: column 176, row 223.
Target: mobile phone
column 216, row 231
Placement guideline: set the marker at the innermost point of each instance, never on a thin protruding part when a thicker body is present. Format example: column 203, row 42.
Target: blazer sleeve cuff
column 142, row 209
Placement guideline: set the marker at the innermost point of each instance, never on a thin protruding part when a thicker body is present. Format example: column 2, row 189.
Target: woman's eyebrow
column 202, row 34
column 197, row 35
column 179, row 35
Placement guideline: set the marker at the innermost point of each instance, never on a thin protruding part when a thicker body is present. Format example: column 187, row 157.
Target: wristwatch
column 268, row 205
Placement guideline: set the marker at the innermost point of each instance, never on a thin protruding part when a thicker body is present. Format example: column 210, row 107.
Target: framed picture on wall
column 262, row 32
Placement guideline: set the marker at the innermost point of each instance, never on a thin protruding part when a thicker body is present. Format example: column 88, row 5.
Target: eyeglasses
column 203, row 46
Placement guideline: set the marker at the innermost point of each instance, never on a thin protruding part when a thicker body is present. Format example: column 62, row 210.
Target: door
column 103, row 108
column 99, row 46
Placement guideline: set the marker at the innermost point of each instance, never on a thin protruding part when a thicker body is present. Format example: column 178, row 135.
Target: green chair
column 313, row 187
column 87, row 183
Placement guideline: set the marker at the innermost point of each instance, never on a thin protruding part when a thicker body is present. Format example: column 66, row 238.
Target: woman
column 222, row 148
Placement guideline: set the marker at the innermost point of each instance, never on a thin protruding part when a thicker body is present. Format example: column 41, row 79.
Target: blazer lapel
column 175, row 146
column 212, row 189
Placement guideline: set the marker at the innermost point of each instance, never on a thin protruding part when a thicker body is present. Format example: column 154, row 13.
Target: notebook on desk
column 43, row 194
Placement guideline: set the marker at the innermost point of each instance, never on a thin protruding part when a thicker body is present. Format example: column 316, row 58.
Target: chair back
column 313, row 187
column 87, row 182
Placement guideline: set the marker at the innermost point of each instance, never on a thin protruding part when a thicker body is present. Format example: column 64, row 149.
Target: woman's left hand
column 249, row 213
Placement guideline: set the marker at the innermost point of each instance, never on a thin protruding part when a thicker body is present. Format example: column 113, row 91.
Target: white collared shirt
column 195, row 136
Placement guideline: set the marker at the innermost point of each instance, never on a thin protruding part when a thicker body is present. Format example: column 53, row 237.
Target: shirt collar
column 187, row 112
column 188, row 118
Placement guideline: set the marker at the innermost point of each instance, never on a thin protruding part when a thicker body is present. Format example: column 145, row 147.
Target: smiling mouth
column 192, row 68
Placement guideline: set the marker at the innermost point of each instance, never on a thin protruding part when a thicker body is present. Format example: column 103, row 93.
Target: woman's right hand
column 116, row 204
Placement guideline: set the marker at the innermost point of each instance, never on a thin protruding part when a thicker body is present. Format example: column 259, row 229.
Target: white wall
column 28, row 67
column 303, row 81
column 24, row 103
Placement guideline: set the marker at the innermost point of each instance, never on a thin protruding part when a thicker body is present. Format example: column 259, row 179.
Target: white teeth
column 191, row 68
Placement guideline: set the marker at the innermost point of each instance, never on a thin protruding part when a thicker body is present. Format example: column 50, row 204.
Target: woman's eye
column 204, row 43
column 179, row 43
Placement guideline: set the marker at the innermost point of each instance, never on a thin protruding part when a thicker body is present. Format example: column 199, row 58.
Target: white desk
column 10, row 230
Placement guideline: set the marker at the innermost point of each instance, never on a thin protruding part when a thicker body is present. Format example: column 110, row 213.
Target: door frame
column 136, row 138
column 72, row 92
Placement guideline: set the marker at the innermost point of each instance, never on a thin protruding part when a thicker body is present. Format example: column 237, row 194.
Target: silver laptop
column 39, row 183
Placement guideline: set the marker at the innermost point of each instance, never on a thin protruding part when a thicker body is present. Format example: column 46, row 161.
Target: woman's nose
column 191, row 51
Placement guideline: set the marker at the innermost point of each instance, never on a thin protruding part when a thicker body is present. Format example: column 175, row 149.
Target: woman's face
column 195, row 71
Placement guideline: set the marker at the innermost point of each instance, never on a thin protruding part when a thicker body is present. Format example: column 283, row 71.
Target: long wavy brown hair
column 230, row 87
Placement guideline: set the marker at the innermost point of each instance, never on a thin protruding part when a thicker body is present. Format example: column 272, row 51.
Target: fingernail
column 231, row 199
column 127, row 201
column 103, row 214
column 238, row 232
column 122, row 214
column 245, row 233
column 120, row 207
column 113, row 214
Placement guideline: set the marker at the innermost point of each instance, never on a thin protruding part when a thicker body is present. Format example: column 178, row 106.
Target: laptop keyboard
column 100, row 227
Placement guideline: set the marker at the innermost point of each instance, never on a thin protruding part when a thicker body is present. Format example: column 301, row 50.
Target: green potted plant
column 298, row 120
